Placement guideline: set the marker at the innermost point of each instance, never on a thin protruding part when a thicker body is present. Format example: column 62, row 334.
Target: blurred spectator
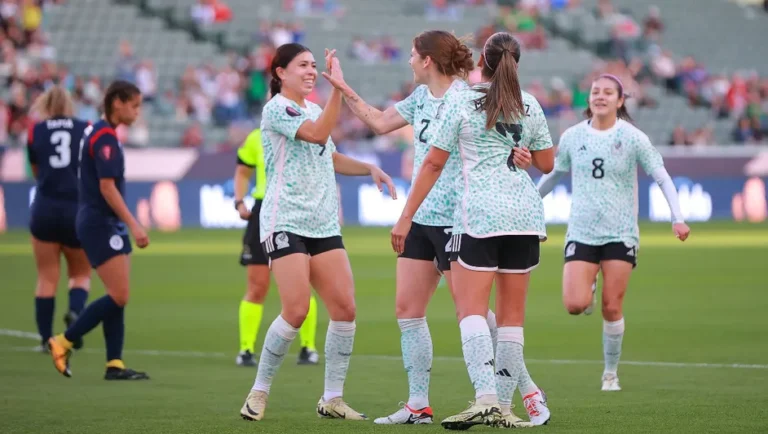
column 443, row 10
column 193, row 136
column 126, row 63
column 146, row 80
column 207, row 12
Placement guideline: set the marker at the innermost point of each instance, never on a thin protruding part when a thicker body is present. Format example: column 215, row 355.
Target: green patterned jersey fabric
column 301, row 194
column 422, row 110
column 495, row 198
column 603, row 166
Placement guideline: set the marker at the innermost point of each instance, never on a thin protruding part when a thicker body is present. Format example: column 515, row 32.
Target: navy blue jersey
column 101, row 156
column 52, row 146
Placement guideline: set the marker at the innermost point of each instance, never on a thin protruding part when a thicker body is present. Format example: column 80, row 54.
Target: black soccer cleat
column 245, row 358
column 308, row 357
column 70, row 319
column 125, row 374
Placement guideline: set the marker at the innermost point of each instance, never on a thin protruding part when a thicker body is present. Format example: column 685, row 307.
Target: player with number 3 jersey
column 497, row 130
column 602, row 153
column 52, row 147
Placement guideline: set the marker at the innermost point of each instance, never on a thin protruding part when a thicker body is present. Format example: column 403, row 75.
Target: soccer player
column 440, row 64
column 498, row 131
column 103, row 222
column 52, row 147
column 602, row 153
column 250, row 158
column 299, row 225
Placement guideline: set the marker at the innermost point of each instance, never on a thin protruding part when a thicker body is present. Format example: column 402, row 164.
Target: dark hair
column 120, row 89
column 450, row 54
column 284, row 55
column 503, row 98
column 622, row 112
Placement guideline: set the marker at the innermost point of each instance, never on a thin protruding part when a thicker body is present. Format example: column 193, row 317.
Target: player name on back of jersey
column 53, row 124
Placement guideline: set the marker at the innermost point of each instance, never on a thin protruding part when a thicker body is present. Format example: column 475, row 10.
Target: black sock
column 44, row 307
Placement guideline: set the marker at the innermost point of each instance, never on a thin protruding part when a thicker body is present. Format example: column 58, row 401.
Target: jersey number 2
column 61, row 141
column 421, row 133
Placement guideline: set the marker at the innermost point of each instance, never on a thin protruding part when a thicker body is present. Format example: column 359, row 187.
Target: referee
column 250, row 158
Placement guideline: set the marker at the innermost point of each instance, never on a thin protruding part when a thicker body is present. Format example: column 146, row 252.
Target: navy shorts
column 53, row 221
column 102, row 238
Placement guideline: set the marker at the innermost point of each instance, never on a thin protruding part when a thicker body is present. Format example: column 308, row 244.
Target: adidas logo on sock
column 503, row 373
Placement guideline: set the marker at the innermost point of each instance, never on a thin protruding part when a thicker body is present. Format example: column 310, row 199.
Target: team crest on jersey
column 617, row 148
column 281, row 240
column 292, row 112
column 116, row 242
column 439, row 110
column 106, row 152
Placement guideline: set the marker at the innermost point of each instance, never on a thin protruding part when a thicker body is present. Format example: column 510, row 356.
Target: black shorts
column 102, row 239
column 53, row 221
column 576, row 251
column 252, row 253
column 504, row 254
column 282, row 244
column 429, row 243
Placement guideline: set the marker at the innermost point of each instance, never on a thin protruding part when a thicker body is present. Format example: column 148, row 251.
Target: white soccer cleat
column 611, row 383
column 406, row 416
column 591, row 307
column 475, row 414
column 536, row 405
column 511, row 420
column 254, row 406
column 336, row 408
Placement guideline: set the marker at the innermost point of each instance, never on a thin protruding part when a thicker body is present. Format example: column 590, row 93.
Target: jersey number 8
column 597, row 168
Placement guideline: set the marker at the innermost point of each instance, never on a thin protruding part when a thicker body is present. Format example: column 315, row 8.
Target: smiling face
column 300, row 74
column 605, row 98
column 419, row 65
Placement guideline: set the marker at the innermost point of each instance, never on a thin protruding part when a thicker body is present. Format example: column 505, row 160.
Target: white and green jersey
column 422, row 110
column 603, row 167
column 301, row 194
column 495, row 198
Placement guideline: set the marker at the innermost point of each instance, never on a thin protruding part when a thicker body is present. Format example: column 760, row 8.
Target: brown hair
column 450, row 54
column 503, row 98
column 284, row 55
column 119, row 89
column 622, row 112
column 53, row 103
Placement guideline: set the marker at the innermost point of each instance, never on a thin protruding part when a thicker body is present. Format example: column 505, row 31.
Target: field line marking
column 216, row 355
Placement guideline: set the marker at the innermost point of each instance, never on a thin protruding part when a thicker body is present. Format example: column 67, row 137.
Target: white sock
column 613, row 334
column 478, row 354
column 338, row 350
column 416, row 344
column 277, row 342
column 491, row 320
column 509, row 361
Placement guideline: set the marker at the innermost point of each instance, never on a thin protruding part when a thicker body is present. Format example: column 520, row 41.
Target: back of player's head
column 284, row 55
column 618, row 86
column 118, row 90
column 503, row 98
column 54, row 103
column 450, row 54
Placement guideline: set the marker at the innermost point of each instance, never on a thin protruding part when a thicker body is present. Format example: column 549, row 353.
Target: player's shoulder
column 102, row 131
column 632, row 134
column 574, row 131
column 280, row 107
column 532, row 105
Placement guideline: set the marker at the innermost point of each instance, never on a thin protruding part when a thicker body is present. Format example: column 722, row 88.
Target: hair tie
column 616, row 79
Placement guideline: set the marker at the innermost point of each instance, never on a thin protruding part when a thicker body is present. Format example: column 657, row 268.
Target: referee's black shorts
column 253, row 253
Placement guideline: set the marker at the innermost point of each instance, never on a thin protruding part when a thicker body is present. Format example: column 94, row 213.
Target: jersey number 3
column 61, row 141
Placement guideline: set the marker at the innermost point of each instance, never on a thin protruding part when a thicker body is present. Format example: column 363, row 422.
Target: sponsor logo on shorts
column 247, row 252
column 116, row 242
column 570, row 250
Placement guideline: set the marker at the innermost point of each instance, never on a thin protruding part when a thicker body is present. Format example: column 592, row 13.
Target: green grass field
column 695, row 349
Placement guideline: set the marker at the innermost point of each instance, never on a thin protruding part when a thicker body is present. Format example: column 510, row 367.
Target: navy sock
column 77, row 299
column 44, row 307
column 95, row 313
column 114, row 333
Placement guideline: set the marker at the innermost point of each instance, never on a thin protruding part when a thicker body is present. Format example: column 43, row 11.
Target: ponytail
column 275, row 85
column 503, row 98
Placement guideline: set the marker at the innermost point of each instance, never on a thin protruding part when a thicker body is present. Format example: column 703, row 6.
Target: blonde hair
column 54, row 102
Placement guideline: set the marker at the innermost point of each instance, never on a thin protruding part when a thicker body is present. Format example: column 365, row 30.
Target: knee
column 83, row 282
column 576, row 307
column 257, row 290
column 405, row 308
column 46, row 288
column 296, row 313
column 120, row 298
column 612, row 310
column 345, row 311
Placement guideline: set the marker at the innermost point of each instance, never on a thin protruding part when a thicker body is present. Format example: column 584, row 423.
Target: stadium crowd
column 232, row 95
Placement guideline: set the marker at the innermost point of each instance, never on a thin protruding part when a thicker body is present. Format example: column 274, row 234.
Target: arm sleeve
column 107, row 156
column 664, row 181
column 285, row 119
column 540, row 137
column 548, row 182
column 407, row 107
column 563, row 156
